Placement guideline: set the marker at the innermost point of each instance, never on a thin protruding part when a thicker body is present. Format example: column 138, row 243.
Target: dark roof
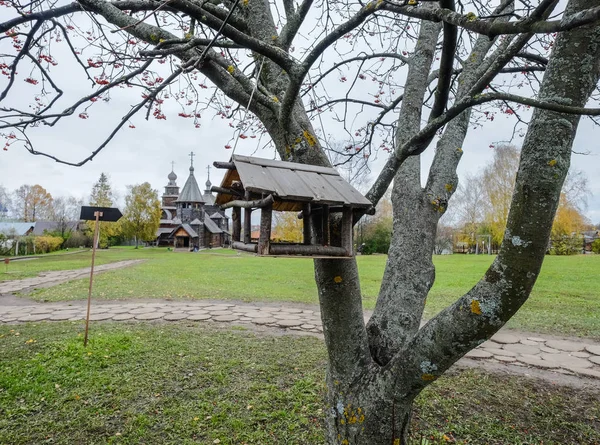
column 191, row 232
column 290, row 182
column 16, row 228
column 191, row 191
column 209, row 198
column 196, row 222
column 49, row 226
column 216, row 215
column 211, row 226
column 162, row 231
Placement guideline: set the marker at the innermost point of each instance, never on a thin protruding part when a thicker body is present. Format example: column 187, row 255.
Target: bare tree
column 65, row 212
column 5, row 203
column 375, row 371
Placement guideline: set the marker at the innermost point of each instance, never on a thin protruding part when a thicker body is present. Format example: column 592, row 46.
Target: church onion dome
column 172, row 176
column 208, row 184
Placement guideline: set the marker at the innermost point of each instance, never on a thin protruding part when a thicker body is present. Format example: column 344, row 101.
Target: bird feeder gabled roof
column 290, row 183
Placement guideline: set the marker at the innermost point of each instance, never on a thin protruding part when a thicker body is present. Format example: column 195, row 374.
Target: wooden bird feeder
column 314, row 192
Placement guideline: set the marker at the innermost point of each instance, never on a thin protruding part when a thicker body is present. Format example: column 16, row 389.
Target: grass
column 180, row 384
column 565, row 300
column 63, row 260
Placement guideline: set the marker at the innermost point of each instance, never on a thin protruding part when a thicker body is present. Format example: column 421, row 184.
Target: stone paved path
column 51, row 278
column 568, row 356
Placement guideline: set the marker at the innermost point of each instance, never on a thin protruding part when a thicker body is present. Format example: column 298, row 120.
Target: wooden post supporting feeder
column 316, row 192
column 96, row 214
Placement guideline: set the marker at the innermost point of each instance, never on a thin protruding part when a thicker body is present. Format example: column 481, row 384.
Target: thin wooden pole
column 89, row 302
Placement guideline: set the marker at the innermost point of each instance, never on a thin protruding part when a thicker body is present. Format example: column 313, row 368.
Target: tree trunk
column 359, row 415
column 361, row 409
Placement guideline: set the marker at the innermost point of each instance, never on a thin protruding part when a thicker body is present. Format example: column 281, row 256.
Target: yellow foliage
column 568, row 220
column 287, row 227
column 45, row 244
column 475, row 307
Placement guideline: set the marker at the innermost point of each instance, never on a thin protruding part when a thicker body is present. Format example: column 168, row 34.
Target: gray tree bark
column 371, row 392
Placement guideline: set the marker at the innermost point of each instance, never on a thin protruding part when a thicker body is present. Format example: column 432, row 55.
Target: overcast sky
column 145, row 153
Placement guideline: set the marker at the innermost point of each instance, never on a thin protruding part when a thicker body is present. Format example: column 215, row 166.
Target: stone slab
column 58, row 316
column 522, row 349
column 564, row 360
column 263, row 320
column 199, row 317
column 505, row 338
column 538, row 339
column 175, row 317
column 150, row 316
column 478, row 354
column 289, row 323
column 529, row 342
column 121, row 317
column 142, row 310
column 284, row 316
column 592, row 349
column 100, row 317
column 291, row 310
column 35, row 317
column 565, row 345
column 258, row 314
column 534, row 360
column 505, row 359
column 594, row 359
column 581, row 354
column 549, row 350
column 219, row 313
column 225, row 317
column 499, row 351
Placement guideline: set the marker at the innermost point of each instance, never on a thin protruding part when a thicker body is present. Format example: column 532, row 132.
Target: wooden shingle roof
column 290, row 183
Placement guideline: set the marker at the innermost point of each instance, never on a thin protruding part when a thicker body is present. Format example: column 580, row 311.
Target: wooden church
column 191, row 219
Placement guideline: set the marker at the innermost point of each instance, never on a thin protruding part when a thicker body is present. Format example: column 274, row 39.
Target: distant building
column 588, row 239
column 191, row 219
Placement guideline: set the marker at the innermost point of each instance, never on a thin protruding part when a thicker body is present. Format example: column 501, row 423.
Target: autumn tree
column 391, row 95
column 376, row 231
column 498, row 180
column 287, row 227
column 569, row 223
column 33, row 202
column 469, row 204
column 141, row 217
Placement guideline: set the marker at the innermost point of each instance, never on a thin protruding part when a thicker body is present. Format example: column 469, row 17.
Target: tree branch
column 491, row 28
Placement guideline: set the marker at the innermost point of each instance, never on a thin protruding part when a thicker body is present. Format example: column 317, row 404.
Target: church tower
column 171, row 190
column 190, row 204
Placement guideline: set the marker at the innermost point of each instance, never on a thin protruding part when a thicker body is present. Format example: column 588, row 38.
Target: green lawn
column 201, row 384
column 565, row 300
